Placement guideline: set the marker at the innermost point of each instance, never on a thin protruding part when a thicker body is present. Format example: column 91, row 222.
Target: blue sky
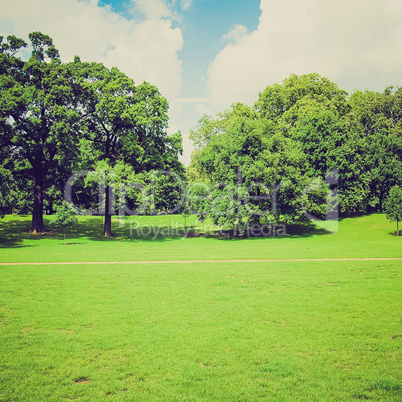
column 204, row 55
column 203, row 25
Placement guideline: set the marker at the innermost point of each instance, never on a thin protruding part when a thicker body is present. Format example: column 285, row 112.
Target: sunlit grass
column 323, row 330
column 310, row 331
column 369, row 236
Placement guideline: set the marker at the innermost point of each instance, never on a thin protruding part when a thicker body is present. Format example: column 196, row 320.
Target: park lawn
column 370, row 236
column 282, row 330
column 202, row 331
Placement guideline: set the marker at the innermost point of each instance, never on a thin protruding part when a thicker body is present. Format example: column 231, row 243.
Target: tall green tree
column 332, row 141
column 359, row 136
column 120, row 121
column 250, row 172
column 37, row 115
column 393, row 206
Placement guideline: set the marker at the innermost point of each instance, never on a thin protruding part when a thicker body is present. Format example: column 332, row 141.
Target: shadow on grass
column 13, row 232
column 92, row 229
column 298, row 230
column 305, row 229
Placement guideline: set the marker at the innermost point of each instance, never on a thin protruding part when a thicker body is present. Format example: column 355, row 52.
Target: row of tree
column 300, row 139
column 60, row 118
column 304, row 142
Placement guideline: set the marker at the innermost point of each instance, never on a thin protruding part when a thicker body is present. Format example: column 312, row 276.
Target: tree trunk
column 380, row 197
column 108, row 225
column 37, row 211
column 108, row 216
column 397, row 228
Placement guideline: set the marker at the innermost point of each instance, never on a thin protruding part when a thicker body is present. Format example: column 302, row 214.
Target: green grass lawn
column 327, row 330
column 367, row 236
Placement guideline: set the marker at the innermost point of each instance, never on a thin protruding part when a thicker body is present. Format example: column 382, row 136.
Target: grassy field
column 364, row 237
column 283, row 330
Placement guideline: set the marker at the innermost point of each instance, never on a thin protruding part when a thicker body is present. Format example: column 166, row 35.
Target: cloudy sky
column 204, row 55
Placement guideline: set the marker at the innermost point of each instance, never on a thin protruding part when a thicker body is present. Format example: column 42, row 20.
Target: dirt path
column 198, row 261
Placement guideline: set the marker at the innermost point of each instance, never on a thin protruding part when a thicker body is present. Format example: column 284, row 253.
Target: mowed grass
column 314, row 330
column 369, row 236
column 205, row 331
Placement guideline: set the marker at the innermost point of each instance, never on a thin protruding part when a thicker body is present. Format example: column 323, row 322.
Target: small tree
column 393, row 206
column 65, row 217
column 185, row 211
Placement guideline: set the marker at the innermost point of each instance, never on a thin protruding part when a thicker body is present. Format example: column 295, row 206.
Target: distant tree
column 332, row 141
column 360, row 136
column 279, row 101
column 65, row 217
column 380, row 116
column 393, row 206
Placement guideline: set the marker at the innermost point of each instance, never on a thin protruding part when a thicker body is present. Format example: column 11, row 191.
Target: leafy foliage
column 252, row 171
column 249, row 164
column 37, row 115
column 393, row 206
column 58, row 118
column 65, row 217
column 309, row 123
column 124, row 123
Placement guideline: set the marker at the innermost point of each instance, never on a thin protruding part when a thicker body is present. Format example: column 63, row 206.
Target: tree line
column 299, row 140
column 280, row 159
column 59, row 118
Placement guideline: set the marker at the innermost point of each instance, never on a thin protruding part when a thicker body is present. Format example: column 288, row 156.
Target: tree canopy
column 252, row 170
column 119, row 121
column 58, row 118
column 37, row 114
column 299, row 132
column 277, row 159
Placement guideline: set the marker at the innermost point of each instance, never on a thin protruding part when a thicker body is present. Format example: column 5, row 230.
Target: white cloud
column 186, row 4
column 192, row 100
column 153, row 9
column 356, row 43
column 236, row 34
column 144, row 50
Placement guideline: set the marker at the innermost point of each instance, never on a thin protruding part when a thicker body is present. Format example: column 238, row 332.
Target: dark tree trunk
column 397, row 228
column 108, row 214
column 37, row 211
column 108, row 225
